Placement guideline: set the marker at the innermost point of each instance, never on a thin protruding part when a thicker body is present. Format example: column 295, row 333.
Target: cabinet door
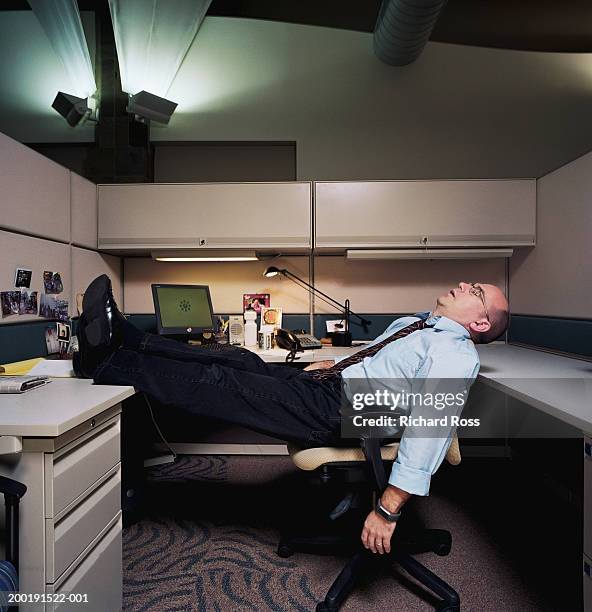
column 215, row 215
column 463, row 213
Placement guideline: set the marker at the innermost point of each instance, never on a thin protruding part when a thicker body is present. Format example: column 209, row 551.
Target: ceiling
column 306, row 72
column 535, row 25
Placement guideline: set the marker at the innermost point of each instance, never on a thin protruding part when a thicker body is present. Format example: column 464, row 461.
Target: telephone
column 296, row 341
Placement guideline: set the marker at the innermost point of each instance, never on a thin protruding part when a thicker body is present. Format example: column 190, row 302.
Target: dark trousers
column 234, row 385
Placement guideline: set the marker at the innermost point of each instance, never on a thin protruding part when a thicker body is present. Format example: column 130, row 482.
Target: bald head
column 479, row 307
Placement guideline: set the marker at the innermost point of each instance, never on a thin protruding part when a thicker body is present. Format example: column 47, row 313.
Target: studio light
column 60, row 20
column 152, row 39
column 73, row 109
column 149, row 107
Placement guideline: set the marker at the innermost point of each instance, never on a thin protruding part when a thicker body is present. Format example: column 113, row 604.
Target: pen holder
column 342, row 338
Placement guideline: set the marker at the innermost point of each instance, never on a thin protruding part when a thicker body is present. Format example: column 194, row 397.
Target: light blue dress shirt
column 443, row 350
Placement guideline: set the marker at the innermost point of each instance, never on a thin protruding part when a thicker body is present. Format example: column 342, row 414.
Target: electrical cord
column 173, row 453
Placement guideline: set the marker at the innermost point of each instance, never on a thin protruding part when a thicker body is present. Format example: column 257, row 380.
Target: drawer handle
column 93, row 423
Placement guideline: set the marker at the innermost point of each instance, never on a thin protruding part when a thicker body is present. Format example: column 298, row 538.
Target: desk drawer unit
column 69, row 534
column 97, row 575
column 588, row 497
column 75, row 467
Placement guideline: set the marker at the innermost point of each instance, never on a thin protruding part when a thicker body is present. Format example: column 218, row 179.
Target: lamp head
column 272, row 271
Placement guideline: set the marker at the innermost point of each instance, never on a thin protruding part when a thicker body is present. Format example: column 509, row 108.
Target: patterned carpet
column 209, row 538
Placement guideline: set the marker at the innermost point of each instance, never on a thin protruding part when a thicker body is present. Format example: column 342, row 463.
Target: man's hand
column 320, row 365
column 377, row 531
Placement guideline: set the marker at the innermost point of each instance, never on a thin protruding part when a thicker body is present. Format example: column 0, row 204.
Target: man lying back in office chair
column 300, row 406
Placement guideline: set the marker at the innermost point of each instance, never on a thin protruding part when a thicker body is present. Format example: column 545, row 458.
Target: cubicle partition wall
column 48, row 223
column 551, row 285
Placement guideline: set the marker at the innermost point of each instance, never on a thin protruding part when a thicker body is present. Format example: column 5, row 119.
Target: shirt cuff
column 412, row 480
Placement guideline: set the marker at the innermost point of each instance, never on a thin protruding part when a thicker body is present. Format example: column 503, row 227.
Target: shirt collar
column 444, row 323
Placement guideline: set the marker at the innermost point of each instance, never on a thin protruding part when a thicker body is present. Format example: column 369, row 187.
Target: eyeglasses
column 477, row 291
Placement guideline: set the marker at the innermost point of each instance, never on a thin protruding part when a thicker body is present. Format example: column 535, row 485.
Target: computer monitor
column 182, row 310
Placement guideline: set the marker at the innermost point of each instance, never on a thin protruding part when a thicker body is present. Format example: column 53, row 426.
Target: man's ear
column 480, row 327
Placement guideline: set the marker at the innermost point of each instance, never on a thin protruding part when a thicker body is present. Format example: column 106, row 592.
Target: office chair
column 13, row 491
column 362, row 470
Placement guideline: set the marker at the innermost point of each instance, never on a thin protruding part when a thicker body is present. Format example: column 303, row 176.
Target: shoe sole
column 93, row 307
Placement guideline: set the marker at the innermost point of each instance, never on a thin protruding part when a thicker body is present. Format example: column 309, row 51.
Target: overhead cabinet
column 206, row 216
column 412, row 214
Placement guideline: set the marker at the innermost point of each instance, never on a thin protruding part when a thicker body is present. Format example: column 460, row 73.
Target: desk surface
column 560, row 386
column 51, row 410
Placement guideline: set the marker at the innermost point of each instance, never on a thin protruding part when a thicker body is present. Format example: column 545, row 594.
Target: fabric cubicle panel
column 398, row 286
column 550, row 284
column 83, row 196
column 35, row 192
column 37, row 255
column 227, row 281
column 553, row 279
column 87, row 265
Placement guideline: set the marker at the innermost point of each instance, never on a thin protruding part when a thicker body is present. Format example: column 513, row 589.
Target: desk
column 70, row 420
column 70, row 517
column 556, row 385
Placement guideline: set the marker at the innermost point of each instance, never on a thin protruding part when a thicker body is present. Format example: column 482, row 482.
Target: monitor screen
column 182, row 309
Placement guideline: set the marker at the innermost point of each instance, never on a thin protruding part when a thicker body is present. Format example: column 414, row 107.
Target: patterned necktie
column 333, row 374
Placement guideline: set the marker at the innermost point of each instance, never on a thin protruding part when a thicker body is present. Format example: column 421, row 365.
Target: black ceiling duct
column 403, row 29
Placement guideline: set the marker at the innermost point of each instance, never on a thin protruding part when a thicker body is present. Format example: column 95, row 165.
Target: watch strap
column 391, row 517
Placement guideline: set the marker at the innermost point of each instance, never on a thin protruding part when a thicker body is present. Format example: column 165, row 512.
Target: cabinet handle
column 588, row 449
column 587, row 569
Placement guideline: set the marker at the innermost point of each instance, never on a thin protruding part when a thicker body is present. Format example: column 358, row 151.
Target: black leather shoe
column 100, row 327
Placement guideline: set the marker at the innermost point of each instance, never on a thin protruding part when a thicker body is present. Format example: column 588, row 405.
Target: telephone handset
column 296, row 341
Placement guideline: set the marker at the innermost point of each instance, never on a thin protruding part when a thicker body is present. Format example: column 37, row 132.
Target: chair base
column 428, row 540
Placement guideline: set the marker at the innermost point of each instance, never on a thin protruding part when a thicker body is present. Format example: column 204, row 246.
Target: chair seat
column 309, row 459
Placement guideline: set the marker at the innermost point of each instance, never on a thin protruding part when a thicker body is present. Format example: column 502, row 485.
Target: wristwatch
column 391, row 517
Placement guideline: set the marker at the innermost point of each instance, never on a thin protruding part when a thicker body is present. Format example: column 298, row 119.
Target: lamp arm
column 328, row 298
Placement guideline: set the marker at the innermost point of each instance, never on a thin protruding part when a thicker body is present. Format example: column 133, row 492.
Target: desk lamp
column 343, row 338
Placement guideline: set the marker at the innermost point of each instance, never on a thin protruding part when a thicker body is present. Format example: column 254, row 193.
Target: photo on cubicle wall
column 53, row 308
column 10, row 302
column 52, row 281
column 22, row 278
column 18, row 303
column 28, row 303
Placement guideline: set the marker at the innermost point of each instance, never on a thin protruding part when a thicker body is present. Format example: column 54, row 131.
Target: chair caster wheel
column 449, row 609
column 443, row 544
column 284, row 551
column 444, row 549
column 324, row 607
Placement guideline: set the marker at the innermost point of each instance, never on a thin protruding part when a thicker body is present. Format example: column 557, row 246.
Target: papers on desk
column 54, row 368
column 20, row 384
